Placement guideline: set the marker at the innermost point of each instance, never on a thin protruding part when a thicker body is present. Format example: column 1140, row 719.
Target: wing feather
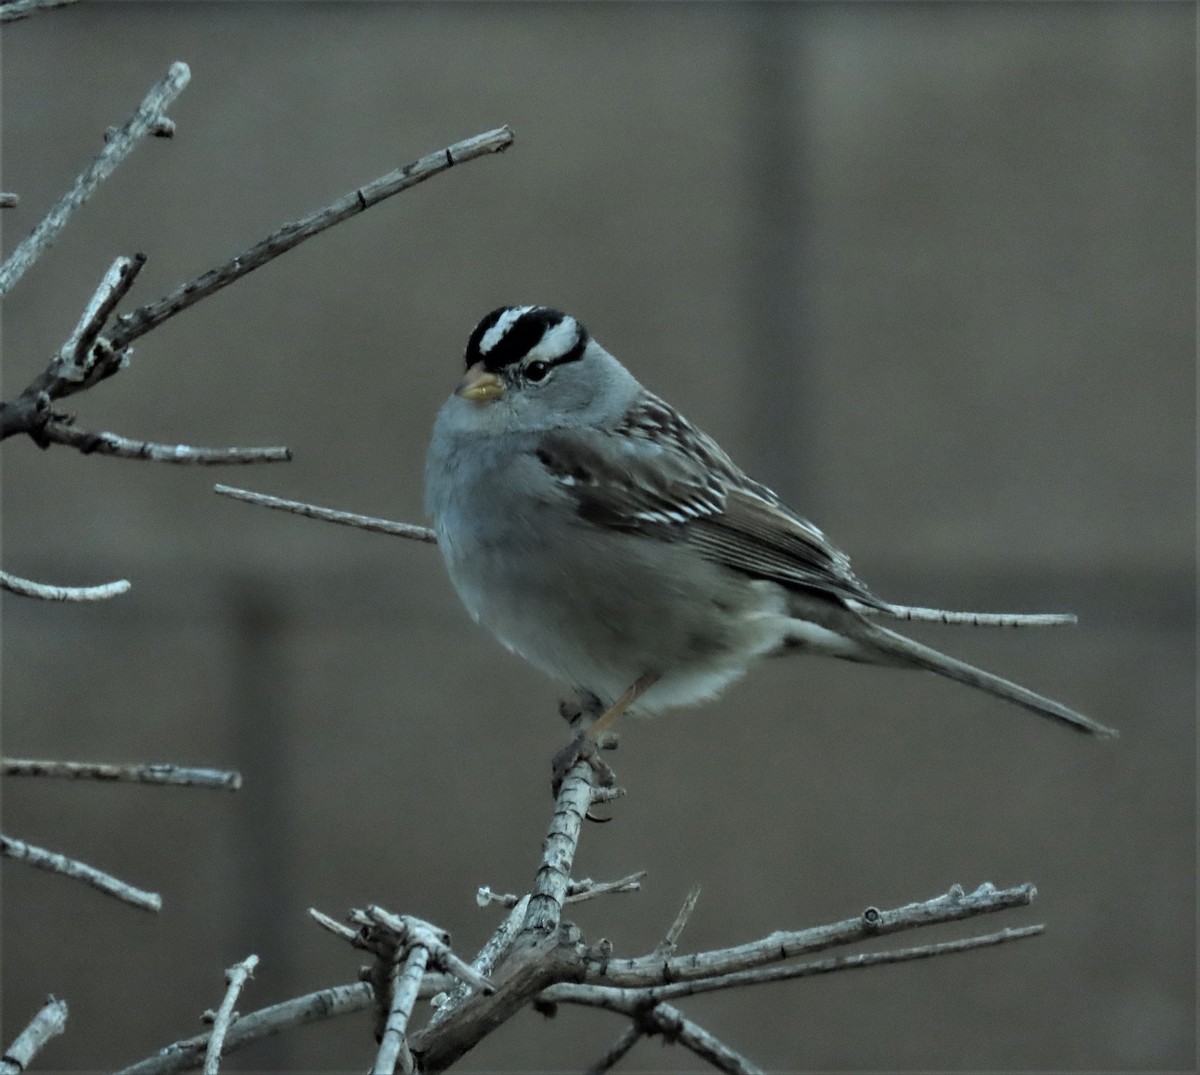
column 657, row 474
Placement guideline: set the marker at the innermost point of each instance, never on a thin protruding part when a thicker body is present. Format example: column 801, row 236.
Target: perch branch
column 235, row 978
column 56, row 863
column 313, row 511
column 48, row 1023
column 114, row 152
column 10, row 201
column 558, row 850
column 44, row 592
column 140, row 321
column 177, row 775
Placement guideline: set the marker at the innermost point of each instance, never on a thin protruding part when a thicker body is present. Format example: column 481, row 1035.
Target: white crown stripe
column 497, row 332
column 558, row 339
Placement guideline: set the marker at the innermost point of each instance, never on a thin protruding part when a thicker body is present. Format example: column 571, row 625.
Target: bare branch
column 951, row 907
column 59, row 432
column 154, row 773
column 617, row 998
column 10, row 201
column 143, row 319
column 44, row 592
column 21, row 9
column 490, row 955
column 48, row 1023
column 114, row 152
column 235, row 978
column 393, row 1044
column 577, row 891
column 669, row 943
column 56, row 863
column 630, row 1036
column 315, row 1007
column 405, row 931
column 674, row 1026
column 73, row 360
column 313, row 511
column 972, row 619
column 558, row 850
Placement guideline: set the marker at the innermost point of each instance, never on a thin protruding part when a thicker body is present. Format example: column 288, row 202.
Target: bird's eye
column 537, row 370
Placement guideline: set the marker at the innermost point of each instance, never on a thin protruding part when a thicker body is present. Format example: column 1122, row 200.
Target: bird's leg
column 584, row 746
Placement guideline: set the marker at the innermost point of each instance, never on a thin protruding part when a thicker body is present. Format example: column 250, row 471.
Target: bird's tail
column 901, row 650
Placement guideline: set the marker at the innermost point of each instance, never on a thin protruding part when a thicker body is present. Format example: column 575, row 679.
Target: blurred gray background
column 926, row 269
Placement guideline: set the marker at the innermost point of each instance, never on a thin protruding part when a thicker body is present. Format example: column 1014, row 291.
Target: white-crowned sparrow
column 613, row 545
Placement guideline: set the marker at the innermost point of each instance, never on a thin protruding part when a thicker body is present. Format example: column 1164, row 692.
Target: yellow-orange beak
column 478, row 385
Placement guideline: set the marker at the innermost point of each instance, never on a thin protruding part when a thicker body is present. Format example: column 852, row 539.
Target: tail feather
column 906, row 651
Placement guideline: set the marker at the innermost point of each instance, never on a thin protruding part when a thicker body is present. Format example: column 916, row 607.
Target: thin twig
column 673, row 1025
column 175, row 775
column 59, row 432
column 116, row 150
column 49, row 1022
column 789, row 944
column 669, row 943
column 143, row 319
column 11, row 201
column 629, row 1037
column 577, row 891
column 21, row 9
column 496, row 948
column 315, row 1007
column 627, row 1000
column 45, row 592
column 314, row 511
column 406, row 981
column 405, row 931
column 73, row 362
column 558, row 850
column 56, row 863
column 235, row 978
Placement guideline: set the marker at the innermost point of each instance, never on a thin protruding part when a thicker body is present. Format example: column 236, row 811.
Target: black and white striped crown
column 509, row 333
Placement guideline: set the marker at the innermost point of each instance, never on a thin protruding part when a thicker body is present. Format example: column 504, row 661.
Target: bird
column 618, row 549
